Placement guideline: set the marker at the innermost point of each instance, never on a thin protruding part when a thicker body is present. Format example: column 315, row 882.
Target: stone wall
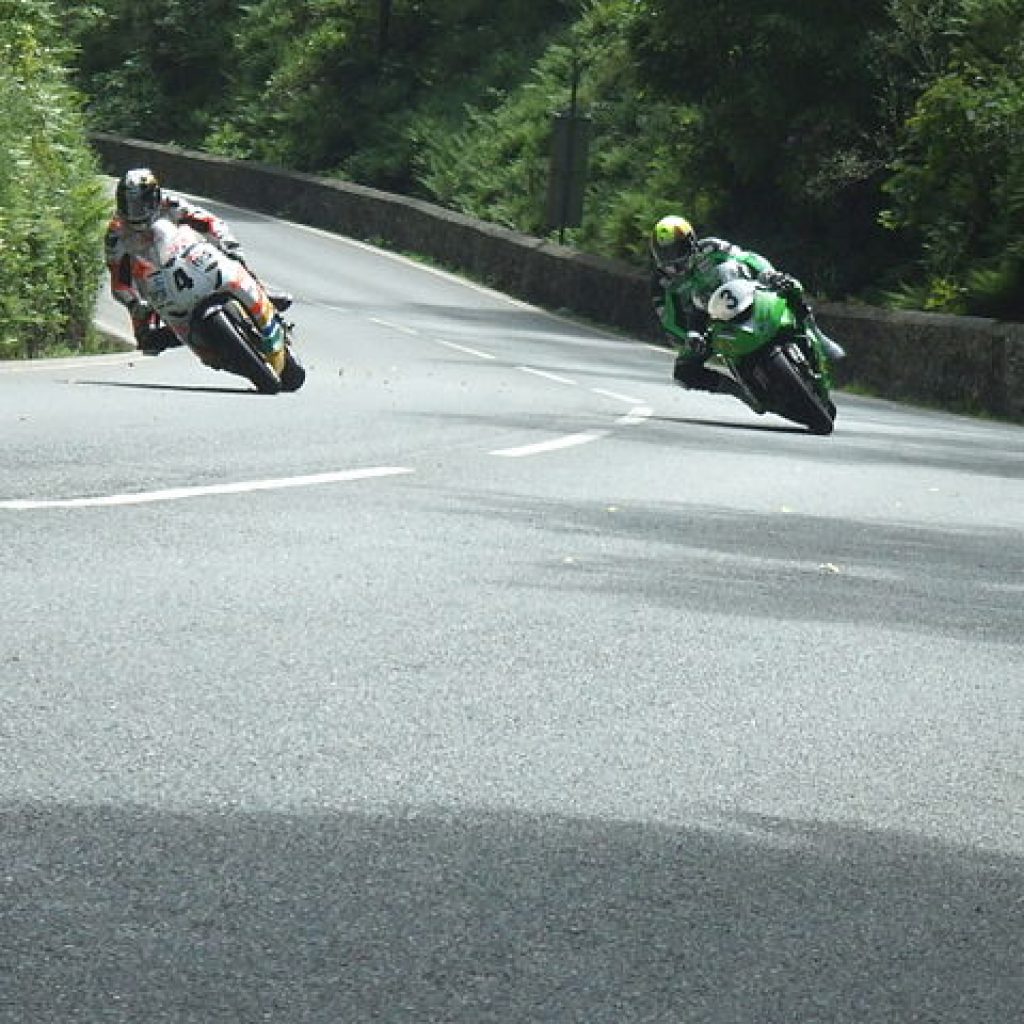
column 958, row 363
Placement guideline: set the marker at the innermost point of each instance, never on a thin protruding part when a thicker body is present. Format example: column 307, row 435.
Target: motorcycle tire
column 293, row 376
column 239, row 354
column 796, row 398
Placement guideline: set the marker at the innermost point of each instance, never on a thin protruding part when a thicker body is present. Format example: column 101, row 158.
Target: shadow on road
column 770, row 426
column 917, row 446
column 787, row 567
column 127, row 914
column 169, row 387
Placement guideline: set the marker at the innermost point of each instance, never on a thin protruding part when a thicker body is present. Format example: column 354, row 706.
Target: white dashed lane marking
column 632, row 418
column 547, row 375
column 615, row 396
column 466, row 349
column 556, row 443
column 393, row 326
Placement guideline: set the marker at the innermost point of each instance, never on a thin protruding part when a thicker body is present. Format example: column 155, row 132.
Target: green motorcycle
column 780, row 360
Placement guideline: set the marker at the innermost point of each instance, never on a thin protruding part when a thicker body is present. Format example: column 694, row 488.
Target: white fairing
column 188, row 269
column 732, row 299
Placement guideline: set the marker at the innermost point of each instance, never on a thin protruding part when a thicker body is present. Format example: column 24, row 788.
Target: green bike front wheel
column 795, row 397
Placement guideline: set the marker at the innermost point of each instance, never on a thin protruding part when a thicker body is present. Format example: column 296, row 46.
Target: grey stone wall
column 967, row 364
column 958, row 363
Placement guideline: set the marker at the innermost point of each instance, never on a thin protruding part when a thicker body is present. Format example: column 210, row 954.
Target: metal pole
column 570, row 156
column 383, row 26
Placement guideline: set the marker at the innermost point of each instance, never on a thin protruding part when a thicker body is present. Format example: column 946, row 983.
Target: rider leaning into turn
column 683, row 278
column 139, row 201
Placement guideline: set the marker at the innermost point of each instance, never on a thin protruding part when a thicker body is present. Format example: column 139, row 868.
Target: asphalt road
column 491, row 678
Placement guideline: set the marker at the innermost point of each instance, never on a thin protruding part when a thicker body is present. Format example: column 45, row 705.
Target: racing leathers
column 680, row 294
column 128, row 250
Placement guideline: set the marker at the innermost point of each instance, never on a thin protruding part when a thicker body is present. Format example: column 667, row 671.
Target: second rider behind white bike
column 128, row 248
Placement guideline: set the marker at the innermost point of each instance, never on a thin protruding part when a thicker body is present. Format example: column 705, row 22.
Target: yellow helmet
column 673, row 239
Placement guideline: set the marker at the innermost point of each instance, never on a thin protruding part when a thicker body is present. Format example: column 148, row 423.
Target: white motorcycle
column 197, row 290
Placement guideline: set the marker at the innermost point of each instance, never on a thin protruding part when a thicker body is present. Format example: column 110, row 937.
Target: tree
column 157, row 69
column 789, row 119
column 957, row 183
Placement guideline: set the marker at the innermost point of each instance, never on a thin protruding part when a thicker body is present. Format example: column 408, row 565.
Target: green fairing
column 770, row 314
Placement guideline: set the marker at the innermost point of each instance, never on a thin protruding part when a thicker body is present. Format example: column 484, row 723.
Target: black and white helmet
column 138, row 197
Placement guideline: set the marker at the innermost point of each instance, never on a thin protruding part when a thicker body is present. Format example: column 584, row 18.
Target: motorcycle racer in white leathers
column 128, row 248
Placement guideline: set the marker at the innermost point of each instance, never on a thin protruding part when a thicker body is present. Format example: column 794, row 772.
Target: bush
column 52, row 206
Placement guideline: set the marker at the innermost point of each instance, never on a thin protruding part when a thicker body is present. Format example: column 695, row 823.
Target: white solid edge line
column 68, row 363
column 181, row 493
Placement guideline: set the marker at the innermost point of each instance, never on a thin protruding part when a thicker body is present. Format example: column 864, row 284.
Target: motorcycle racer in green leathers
column 684, row 274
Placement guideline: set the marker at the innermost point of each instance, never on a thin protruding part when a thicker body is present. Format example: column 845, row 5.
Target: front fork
column 741, row 378
column 277, row 355
column 809, row 359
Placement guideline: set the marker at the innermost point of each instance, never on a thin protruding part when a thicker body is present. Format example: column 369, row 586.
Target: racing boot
column 271, row 327
column 154, row 337
column 833, row 350
column 689, row 373
column 274, row 335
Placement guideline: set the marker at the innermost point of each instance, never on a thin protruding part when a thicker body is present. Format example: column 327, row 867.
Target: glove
column 790, row 289
column 233, row 249
column 778, row 281
column 698, row 343
column 676, row 268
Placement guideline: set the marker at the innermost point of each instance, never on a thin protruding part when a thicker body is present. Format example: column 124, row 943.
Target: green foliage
column 156, row 69
column 319, row 88
column 51, row 205
column 493, row 165
column 956, row 185
column 495, row 162
column 790, row 121
column 871, row 146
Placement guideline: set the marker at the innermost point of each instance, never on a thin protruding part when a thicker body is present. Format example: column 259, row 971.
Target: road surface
column 492, row 678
